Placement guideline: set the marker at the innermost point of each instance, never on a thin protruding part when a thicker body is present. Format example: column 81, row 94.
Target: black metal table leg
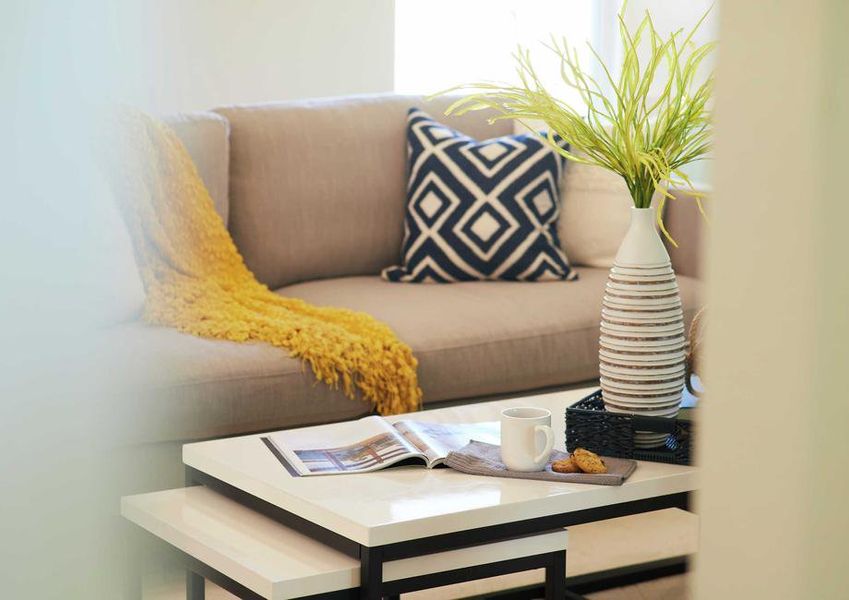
column 371, row 573
column 555, row 577
column 195, row 586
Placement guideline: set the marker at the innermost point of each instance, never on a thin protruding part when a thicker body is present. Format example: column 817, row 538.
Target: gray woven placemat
column 479, row 458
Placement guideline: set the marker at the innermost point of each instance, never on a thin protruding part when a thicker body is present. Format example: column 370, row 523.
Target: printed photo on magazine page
column 368, row 444
column 373, row 443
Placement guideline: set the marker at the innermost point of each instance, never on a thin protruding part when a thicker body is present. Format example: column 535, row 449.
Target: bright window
column 442, row 43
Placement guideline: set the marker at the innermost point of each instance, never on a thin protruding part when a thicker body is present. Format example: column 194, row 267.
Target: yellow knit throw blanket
column 196, row 280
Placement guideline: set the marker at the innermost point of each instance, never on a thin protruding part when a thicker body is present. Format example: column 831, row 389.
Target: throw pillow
column 595, row 211
column 479, row 210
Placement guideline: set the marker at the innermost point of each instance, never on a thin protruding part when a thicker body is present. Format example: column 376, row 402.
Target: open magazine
column 373, row 443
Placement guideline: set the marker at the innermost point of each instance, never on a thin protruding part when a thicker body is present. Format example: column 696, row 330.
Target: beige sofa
column 313, row 193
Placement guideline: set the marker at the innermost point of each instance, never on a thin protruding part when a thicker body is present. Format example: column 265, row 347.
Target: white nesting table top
column 279, row 563
column 405, row 503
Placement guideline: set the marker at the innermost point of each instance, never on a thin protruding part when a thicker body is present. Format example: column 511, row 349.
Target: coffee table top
column 406, row 503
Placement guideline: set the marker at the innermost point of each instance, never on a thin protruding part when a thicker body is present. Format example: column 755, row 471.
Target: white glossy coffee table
column 407, row 512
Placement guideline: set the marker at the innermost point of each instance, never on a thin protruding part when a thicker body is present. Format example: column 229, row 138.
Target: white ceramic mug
column 520, row 431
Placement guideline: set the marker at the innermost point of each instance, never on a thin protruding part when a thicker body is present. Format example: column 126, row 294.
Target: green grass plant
column 652, row 120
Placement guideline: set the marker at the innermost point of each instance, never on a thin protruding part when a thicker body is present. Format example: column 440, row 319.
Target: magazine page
column 436, row 440
column 357, row 446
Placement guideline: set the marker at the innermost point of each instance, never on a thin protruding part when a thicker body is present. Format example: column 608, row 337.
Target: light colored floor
column 667, row 588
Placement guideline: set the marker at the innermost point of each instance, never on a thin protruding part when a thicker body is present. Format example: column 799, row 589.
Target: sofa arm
column 686, row 225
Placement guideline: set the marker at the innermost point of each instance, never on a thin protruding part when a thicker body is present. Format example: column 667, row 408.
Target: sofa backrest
column 206, row 135
column 317, row 187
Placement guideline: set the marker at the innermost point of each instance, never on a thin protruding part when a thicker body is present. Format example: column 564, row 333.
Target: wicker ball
column 694, row 354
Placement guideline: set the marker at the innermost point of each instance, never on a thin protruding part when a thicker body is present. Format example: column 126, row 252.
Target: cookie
column 567, row 465
column 588, row 462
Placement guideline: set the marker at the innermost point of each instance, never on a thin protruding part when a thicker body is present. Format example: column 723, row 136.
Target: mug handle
column 549, row 442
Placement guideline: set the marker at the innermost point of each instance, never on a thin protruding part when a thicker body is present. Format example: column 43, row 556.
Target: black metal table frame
column 372, row 558
column 554, row 564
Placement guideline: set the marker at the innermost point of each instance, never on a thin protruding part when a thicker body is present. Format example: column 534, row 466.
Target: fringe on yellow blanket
column 196, row 280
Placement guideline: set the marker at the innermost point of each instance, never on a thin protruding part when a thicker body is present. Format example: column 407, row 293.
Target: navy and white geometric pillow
column 479, row 210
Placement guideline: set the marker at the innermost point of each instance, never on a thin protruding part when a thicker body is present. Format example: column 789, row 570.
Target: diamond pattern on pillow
column 479, row 210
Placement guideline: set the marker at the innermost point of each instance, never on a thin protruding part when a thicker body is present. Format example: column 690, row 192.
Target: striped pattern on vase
column 642, row 345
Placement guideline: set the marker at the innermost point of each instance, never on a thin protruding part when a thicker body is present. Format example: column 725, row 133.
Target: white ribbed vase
column 642, row 344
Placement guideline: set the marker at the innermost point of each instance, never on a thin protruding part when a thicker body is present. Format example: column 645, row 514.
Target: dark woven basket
column 590, row 426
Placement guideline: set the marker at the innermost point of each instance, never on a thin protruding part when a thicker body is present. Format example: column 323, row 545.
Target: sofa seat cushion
column 487, row 337
column 472, row 339
column 194, row 388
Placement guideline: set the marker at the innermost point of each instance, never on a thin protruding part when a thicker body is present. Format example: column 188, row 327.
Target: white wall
column 196, row 54
column 773, row 439
column 478, row 39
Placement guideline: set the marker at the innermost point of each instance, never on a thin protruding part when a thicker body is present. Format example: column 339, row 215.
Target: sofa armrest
column 686, row 225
